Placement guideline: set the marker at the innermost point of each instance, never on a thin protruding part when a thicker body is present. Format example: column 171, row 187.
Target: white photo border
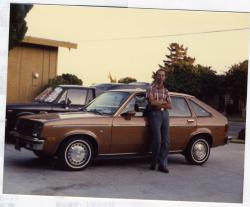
column 59, row 201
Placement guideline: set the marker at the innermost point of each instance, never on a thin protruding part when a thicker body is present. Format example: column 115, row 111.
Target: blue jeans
column 159, row 126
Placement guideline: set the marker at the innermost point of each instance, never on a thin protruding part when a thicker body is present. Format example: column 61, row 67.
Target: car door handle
column 190, row 120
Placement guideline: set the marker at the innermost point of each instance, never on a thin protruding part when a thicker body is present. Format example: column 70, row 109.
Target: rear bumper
column 227, row 139
column 30, row 143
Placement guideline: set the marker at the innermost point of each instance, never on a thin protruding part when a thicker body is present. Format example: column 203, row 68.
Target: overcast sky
column 132, row 42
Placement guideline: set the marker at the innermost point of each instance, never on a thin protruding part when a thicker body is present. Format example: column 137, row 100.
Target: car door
column 130, row 134
column 182, row 123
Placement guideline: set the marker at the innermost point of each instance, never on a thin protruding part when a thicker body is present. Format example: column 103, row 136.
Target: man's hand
column 166, row 105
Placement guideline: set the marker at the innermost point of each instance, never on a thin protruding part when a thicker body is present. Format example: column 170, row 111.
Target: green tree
column 178, row 54
column 221, row 91
column 177, row 57
column 65, row 79
column 186, row 77
column 18, row 26
column 236, row 85
column 207, row 82
column 180, row 71
column 127, row 80
column 182, row 79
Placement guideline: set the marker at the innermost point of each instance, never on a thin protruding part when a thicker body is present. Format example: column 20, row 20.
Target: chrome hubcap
column 200, row 151
column 77, row 153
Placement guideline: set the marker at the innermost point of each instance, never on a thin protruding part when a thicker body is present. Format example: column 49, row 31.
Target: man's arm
column 154, row 102
column 162, row 104
column 167, row 105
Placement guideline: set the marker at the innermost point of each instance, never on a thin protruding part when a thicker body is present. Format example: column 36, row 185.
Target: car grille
column 28, row 127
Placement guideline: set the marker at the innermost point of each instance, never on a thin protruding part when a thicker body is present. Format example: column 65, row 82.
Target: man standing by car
column 159, row 103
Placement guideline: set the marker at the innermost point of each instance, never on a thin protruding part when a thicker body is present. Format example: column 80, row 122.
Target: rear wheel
column 75, row 154
column 197, row 151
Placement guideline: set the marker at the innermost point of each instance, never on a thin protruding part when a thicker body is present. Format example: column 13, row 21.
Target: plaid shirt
column 158, row 93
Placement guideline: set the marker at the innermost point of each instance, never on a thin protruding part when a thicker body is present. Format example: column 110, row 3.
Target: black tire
column 75, row 154
column 41, row 155
column 197, row 151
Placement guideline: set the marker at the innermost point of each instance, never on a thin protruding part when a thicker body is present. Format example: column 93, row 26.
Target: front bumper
column 30, row 143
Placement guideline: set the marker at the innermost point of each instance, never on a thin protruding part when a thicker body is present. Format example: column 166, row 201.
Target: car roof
column 143, row 90
column 122, row 84
column 180, row 94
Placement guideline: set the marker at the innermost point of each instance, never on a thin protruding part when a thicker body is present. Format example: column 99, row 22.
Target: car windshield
column 49, row 95
column 107, row 103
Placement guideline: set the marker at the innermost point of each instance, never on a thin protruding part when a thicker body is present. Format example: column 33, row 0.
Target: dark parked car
column 102, row 87
column 115, row 124
column 61, row 98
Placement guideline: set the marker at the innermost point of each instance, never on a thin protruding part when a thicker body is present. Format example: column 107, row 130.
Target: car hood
column 62, row 116
column 30, row 106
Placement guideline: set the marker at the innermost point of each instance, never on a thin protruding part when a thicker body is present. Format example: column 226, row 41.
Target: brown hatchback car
column 115, row 124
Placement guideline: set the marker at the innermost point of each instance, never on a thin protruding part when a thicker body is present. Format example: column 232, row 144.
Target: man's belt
column 157, row 108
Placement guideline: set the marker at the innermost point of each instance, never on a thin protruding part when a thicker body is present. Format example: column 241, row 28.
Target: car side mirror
column 127, row 115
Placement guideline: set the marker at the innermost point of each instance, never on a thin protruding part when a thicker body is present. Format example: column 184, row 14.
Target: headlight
column 37, row 128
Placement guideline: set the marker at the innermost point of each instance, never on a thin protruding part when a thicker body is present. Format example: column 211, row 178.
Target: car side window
column 138, row 104
column 199, row 111
column 90, row 96
column 74, row 96
column 179, row 107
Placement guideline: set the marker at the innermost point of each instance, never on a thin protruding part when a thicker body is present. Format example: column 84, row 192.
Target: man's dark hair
column 161, row 69
column 155, row 73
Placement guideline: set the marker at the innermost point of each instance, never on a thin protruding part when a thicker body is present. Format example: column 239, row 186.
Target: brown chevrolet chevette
column 115, row 123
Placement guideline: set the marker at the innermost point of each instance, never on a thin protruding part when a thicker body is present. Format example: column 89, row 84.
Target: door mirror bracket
column 128, row 115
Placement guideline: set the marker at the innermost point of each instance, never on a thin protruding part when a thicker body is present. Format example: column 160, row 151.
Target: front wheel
column 197, row 151
column 75, row 154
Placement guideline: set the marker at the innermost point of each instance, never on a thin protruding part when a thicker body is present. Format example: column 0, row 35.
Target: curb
column 237, row 141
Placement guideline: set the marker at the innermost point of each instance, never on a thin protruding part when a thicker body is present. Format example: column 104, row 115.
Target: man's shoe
column 152, row 167
column 163, row 169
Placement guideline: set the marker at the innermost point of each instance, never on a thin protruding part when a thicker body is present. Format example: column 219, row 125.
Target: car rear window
column 199, row 111
column 179, row 107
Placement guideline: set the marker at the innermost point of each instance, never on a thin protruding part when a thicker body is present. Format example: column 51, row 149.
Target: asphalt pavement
column 220, row 179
